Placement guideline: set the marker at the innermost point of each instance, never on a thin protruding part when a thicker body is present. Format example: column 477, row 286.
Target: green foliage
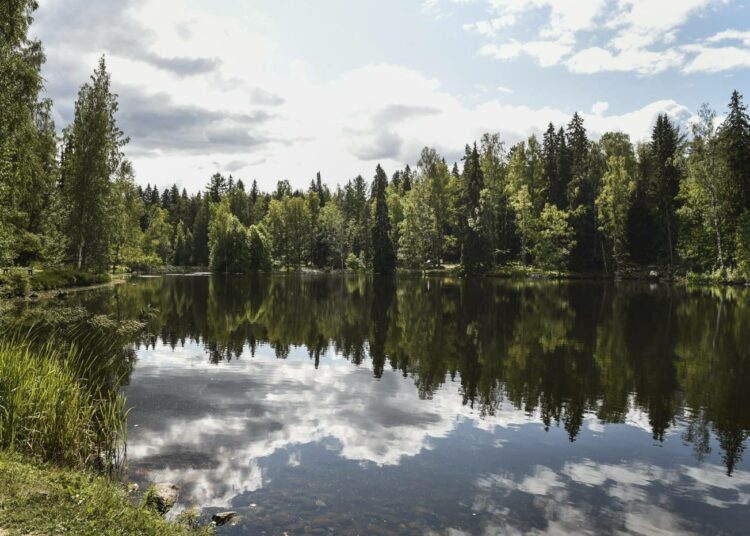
column 91, row 157
column 259, row 246
column 554, row 240
column 354, row 262
column 476, row 256
column 55, row 278
column 666, row 202
column 742, row 241
column 228, row 239
column 613, row 205
column 48, row 412
column 418, row 231
column 17, row 283
column 384, row 259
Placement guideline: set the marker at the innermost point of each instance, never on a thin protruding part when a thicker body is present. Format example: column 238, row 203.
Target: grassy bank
column 17, row 282
column 62, row 432
column 38, row 498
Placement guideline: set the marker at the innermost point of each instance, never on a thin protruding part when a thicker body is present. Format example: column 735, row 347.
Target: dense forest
column 559, row 201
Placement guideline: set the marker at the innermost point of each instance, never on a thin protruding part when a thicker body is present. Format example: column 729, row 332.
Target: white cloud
column 639, row 60
column 546, row 52
column 731, row 35
column 599, row 107
column 642, row 36
column 717, row 59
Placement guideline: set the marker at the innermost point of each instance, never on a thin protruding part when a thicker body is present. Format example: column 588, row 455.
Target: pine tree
column 91, row 157
column 384, row 258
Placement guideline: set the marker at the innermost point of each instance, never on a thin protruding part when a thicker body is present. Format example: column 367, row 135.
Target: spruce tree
column 734, row 138
column 664, row 146
column 475, row 254
column 384, row 258
column 91, row 157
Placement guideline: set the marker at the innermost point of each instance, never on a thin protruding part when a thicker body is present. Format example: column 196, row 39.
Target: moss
column 43, row 499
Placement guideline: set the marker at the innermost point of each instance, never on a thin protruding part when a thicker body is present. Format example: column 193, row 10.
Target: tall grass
column 48, row 411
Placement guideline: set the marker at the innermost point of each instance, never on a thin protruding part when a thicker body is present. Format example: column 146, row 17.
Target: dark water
column 317, row 405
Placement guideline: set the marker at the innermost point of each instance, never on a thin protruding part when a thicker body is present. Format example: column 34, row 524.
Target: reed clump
column 48, row 412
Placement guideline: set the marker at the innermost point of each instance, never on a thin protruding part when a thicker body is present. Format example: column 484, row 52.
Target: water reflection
column 439, row 405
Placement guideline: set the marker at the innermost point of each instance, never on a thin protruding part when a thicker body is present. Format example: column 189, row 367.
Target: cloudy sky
column 281, row 89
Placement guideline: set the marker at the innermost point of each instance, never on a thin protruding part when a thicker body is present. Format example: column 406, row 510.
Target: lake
column 352, row 405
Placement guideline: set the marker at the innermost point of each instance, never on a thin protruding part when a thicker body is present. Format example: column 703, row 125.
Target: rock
column 162, row 497
column 653, row 274
column 221, row 518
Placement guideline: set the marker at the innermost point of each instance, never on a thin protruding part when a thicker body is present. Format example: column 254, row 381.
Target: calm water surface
column 321, row 404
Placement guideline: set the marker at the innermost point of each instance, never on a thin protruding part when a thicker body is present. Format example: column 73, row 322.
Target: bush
column 354, row 263
column 17, row 283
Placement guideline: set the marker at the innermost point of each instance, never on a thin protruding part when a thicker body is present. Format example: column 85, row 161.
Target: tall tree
column 708, row 194
column 664, row 147
column 734, row 137
column 384, row 258
column 475, row 253
column 613, row 205
column 91, row 156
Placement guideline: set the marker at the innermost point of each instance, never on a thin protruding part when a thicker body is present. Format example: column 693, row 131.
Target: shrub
column 354, row 263
column 17, row 283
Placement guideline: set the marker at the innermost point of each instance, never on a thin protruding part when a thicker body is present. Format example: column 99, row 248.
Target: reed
column 48, row 411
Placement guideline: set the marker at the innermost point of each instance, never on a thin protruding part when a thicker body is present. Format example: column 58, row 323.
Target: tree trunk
column 669, row 238
column 717, row 228
column 80, row 252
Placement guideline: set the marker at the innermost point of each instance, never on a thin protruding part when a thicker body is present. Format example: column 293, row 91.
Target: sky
column 282, row 89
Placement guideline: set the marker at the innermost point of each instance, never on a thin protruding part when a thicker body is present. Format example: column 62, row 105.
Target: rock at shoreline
column 162, row 497
column 221, row 518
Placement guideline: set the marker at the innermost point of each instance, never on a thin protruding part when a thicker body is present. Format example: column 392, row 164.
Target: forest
column 559, row 201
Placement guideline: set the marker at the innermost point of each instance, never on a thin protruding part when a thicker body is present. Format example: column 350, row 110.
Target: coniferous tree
column 664, row 146
column 91, row 156
column 384, row 259
column 475, row 254
column 734, row 137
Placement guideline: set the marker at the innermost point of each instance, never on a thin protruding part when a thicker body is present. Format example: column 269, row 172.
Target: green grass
column 46, row 410
column 62, row 278
column 38, row 498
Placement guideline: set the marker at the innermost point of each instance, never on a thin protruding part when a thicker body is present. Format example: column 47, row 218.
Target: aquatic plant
column 48, row 411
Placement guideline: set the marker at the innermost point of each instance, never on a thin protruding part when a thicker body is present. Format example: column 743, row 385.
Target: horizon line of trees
column 561, row 202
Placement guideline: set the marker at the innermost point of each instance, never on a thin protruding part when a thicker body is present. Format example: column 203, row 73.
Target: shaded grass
column 62, row 278
column 36, row 498
column 48, row 412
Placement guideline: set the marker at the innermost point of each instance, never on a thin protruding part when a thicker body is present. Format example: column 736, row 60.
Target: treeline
column 565, row 202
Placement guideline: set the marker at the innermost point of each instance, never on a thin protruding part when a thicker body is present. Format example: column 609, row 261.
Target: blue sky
column 281, row 89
